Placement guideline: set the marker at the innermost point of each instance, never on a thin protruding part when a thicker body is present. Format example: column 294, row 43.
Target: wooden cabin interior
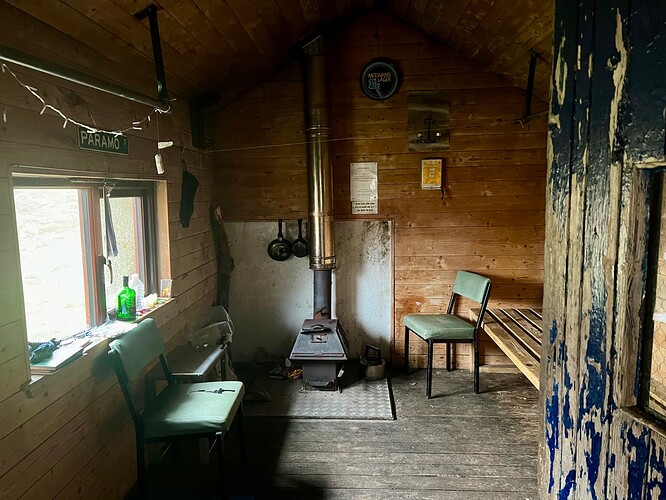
column 518, row 140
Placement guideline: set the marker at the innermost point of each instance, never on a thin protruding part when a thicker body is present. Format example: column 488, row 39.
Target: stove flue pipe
column 320, row 177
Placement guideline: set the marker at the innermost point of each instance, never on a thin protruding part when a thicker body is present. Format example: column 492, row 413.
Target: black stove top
column 319, row 340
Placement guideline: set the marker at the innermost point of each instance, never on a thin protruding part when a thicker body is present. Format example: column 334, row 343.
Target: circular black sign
column 380, row 79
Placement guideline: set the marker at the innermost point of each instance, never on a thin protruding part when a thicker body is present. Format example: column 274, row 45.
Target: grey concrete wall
column 270, row 300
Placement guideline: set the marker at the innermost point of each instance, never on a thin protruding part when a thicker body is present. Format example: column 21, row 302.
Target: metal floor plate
column 359, row 400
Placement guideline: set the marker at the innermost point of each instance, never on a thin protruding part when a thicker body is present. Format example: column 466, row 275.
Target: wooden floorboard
column 458, row 445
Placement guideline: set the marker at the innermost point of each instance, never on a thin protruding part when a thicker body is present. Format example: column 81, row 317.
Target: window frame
column 90, row 192
column 656, row 199
column 145, row 191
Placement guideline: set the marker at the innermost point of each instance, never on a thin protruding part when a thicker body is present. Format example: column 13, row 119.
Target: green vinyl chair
column 199, row 410
column 449, row 328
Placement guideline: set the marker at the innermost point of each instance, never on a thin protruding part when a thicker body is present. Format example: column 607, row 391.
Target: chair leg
column 448, row 356
column 429, row 370
column 220, row 455
column 476, row 366
column 406, row 350
column 141, row 467
column 241, row 432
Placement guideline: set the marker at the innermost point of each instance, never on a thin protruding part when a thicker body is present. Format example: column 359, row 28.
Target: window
column 68, row 285
column 653, row 375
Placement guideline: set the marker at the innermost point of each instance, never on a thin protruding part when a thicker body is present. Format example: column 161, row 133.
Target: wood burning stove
column 321, row 349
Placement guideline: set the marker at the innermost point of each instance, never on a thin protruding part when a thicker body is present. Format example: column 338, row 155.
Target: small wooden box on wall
column 428, row 118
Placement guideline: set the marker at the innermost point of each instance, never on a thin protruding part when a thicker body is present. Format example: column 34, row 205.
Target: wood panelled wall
column 69, row 434
column 491, row 219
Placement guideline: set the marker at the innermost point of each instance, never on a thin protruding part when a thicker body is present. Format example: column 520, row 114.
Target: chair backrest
column 138, row 347
column 472, row 286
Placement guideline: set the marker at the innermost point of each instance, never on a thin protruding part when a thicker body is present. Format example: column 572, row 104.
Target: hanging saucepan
column 300, row 247
column 279, row 248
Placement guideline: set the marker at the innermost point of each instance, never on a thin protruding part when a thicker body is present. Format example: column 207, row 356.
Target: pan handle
column 280, row 235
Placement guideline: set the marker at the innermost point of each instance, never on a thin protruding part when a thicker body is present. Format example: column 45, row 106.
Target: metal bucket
column 373, row 366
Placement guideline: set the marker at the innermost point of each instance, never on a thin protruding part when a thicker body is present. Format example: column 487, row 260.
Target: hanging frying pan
column 279, row 249
column 300, row 247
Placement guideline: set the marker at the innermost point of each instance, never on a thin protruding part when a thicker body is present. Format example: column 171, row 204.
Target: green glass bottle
column 126, row 302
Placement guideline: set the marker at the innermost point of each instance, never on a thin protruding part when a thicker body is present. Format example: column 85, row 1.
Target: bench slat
column 525, row 340
column 535, row 323
column 537, row 315
column 526, row 325
column 507, row 331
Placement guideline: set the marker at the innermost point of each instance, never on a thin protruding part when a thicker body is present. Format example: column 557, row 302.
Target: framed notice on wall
column 363, row 187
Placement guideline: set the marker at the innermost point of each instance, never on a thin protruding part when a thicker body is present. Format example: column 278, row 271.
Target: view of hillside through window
column 52, row 262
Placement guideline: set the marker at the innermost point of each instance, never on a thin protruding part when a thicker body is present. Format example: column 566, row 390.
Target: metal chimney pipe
column 320, row 177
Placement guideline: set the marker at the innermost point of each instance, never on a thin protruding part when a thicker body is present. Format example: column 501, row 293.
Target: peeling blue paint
column 552, row 430
column 569, row 485
column 636, row 466
column 592, row 392
column 658, row 467
column 592, row 456
column 567, row 419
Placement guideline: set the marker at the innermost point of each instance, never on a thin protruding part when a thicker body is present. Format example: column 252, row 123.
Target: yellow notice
column 431, row 173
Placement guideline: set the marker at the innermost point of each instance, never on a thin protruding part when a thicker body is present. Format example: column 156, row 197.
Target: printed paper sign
column 363, row 187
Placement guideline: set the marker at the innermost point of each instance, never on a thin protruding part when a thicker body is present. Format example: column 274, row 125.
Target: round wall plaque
column 380, row 79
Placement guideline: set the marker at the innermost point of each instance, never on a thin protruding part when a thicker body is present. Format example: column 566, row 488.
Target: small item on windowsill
column 62, row 356
column 40, row 351
column 660, row 317
column 165, row 288
column 126, row 302
column 136, row 284
column 150, row 301
column 111, row 329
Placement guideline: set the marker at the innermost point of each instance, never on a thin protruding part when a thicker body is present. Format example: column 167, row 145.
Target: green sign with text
column 102, row 141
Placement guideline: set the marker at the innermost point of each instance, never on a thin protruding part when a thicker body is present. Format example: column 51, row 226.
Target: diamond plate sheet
column 362, row 400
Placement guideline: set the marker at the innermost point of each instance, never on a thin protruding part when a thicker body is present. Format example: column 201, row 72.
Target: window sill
column 85, row 363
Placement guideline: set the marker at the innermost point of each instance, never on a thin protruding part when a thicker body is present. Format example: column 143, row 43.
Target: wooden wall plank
column 12, row 373
column 494, row 172
column 54, row 466
column 11, row 341
column 31, row 434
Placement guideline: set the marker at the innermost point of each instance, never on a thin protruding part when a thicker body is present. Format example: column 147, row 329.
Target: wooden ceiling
column 230, row 46
column 495, row 33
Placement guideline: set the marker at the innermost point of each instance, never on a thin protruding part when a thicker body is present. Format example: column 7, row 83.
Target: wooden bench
column 518, row 333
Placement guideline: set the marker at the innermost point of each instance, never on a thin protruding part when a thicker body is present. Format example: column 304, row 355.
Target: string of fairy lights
column 136, row 124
